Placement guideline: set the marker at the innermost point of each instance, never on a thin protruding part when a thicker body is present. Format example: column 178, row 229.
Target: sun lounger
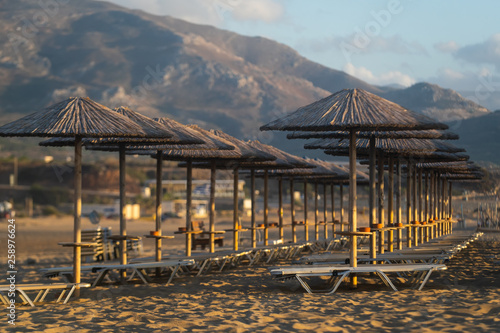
column 338, row 273
column 42, row 291
column 138, row 269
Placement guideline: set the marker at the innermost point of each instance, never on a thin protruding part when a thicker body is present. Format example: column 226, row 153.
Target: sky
column 455, row 44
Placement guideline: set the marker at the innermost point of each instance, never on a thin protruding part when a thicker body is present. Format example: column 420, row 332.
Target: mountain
column 480, row 136
column 434, row 101
column 162, row 66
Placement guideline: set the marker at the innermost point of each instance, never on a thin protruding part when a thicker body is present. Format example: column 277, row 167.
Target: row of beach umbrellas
column 351, row 122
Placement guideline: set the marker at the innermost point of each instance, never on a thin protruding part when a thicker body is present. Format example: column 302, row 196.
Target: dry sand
column 466, row 297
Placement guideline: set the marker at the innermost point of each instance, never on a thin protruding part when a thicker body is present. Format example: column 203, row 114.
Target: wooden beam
column 213, row 175
column 353, row 216
column 77, row 227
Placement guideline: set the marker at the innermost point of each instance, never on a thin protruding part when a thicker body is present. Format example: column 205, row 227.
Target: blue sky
column 455, row 44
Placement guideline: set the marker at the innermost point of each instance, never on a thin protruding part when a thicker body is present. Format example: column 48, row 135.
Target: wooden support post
column 408, row 204
column 426, row 196
column 306, row 226
column 420, row 205
column 398, row 204
column 333, row 209
column 252, row 199
column 189, row 195
column 123, row 222
column 414, row 205
column 450, row 198
column 266, row 207
column 325, row 211
column 390, row 204
column 280, row 208
column 236, row 208
column 381, row 197
column 77, row 227
column 159, row 197
column 316, row 212
column 373, row 184
column 353, row 217
column 292, row 211
column 341, row 206
column 211, row 204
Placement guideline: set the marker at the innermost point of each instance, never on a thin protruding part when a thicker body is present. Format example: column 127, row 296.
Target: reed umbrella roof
column 427, row 134
column 420, row 157
column 242, row 151
column 283, row 159
column 451, row 166
column 79, row 116
column 353, row 109
column 177, row 135
column 387, row 145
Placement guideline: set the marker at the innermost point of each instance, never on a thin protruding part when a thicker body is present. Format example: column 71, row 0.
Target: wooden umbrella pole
column 213, row 175
column 316, row 212
column 266, row 207
column 235, row 209
column 436, row 191
column 280, row 208
column 159, row 194
column 408, row 204
column 353, row 222
column 77, row 228
column 189, row 193
column 123, row 222
column 450, row 197
column 341, row 195
column 292, row 211
column 332, row 189
column 373, row 184
column 414, row 203
column 420, row 198
column 443, row 198
column 381, row 211
column 306, row 226
column 325, row 210
column 426, row 196
column 420, row 210
column 398, row 204
column 252, row 199
column 390, row 204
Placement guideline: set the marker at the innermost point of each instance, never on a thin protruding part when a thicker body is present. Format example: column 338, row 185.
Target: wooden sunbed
column 42, row 289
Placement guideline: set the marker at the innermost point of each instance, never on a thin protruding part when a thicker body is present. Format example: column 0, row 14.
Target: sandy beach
column 466, row 297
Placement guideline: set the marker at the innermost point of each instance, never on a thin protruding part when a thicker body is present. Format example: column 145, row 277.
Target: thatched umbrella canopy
column 386, row 145
column 353, row 110
column 78, row 118
column 428, row 134
column 120, row 145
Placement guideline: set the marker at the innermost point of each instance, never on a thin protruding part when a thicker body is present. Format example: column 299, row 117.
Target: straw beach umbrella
column 353, row 110
column 120, row 145
column 78, row 118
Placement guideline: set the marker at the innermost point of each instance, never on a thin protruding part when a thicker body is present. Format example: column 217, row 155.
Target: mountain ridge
column 163, row 66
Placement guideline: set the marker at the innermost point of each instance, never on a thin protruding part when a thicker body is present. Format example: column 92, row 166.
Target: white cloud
column 487, row 52
column 447, row 47
column 212, row 12
column 391, row 77
column 257, row 10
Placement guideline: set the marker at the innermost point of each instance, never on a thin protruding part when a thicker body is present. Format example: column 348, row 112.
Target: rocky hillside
column 162, row 66
column 434, row 101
